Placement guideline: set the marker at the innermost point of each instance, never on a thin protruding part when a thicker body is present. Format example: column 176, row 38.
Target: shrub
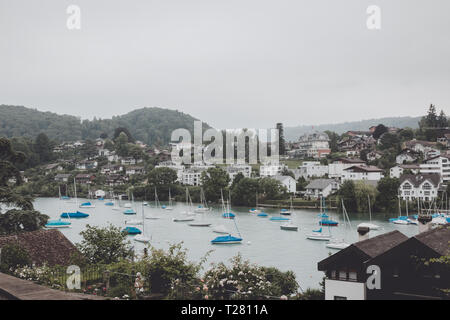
column 13, row 256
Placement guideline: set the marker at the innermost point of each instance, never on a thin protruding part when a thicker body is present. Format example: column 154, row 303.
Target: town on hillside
column 384, row 178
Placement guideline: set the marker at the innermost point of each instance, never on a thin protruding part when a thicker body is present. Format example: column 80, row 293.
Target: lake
column 264, row 243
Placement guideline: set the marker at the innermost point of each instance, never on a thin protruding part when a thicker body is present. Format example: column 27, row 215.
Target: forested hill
column 149, row 125
column 293, row 133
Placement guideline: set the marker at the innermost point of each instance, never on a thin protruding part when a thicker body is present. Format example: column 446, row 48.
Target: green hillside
column 150, row 125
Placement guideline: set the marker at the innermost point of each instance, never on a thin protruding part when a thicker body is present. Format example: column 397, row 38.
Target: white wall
column 350, row 290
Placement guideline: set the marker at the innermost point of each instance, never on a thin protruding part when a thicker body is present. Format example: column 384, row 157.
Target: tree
column 88, row 149
column 43, row 147
column 386, row 200
column 271, row 189
column 334, row 138
column 121, row 130
column 287, row 172
column 214, row 180
column 122, row 146
column 379, row 130
column 22, row 217
column 282, row 142
column 390, row 140
column 104, row 245
column 347, row 194
column 301, row 184
column 244, row 192
column 16, row 221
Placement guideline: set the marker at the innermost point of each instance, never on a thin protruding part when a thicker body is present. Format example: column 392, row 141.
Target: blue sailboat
column 325, row 220
column 262, row 214
column 131, row 230
column 74, row 215
column 229, row 239
column 129, row 212
column 77, row 214
column 54, row 224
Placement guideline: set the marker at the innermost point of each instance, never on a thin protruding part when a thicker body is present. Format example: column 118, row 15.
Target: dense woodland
column 152, row 126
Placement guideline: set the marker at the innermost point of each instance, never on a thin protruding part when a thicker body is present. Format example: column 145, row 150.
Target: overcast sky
column 231, row 63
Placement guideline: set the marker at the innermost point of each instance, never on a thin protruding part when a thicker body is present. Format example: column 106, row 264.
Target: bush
column 243, row 280
column 13, row 256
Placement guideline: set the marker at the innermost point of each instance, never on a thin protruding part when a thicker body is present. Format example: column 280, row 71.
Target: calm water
column 264, row 242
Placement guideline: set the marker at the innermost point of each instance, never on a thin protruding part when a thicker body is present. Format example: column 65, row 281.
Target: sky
column 230, row 63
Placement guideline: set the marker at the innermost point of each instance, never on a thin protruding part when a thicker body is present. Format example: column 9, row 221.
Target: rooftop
column 43, row 246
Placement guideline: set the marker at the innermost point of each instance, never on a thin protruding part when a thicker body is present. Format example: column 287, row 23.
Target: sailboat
column 131, row 210
column 325, row 219
column 402, row 220
column 255, row 209
column 77, row 214
column 317, row 234
column 227, row 214
column 229, row 239
column 203, row 207
column 88, row 204
column 286, row 212
column 289, row 226
column 116, row 206
column 142, row 237
column 170, row 206
column 56, row 224
column 186, row 215
column 131, row 231
column 369, row 224
column 280, row 217
column 336, row 243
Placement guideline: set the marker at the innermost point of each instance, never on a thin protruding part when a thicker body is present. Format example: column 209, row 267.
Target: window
column 352, row 276
column 342, row 275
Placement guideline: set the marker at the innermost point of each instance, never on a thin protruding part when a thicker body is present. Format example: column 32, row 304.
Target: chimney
column 363, row 233
column 424, row 223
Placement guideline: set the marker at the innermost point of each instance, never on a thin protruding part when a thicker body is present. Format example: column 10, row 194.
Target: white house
column 288, row 182
column 130, row 161
column 321, row 188
column 311, row 169
column 422, row 186
column 438, row 165
column 315, row 145
column 362, row 172
column 270, row 170
column 397, row 171
column 407, row 155
column 336, row 168
column 235, row 169
column 86, row 165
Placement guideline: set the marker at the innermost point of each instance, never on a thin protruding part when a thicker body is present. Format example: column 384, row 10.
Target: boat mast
column 370, row 211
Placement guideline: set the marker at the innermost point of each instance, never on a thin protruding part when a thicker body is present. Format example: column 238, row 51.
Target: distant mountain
column 149, row 125
column 292, row 133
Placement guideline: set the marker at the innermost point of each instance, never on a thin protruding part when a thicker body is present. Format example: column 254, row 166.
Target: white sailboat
column 369, row 224
column 289, row 226
column 186, row 215
column 336, row 243
column 142, row 237
column 203, row 207
column 170, row 206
